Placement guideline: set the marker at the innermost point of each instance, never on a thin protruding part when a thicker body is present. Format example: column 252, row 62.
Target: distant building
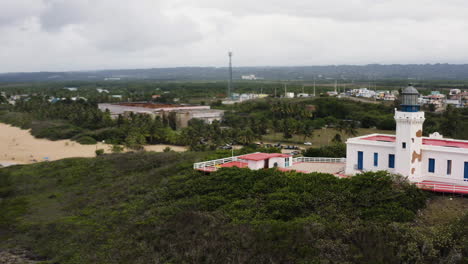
column 71, row 89
column 102, row 90
column 239, row 98
column 250, row 77
column 454, row 91
column 183, row 113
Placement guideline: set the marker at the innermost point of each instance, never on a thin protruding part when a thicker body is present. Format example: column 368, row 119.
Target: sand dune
column 19, row 146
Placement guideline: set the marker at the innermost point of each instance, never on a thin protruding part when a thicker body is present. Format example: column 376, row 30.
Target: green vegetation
column 335, row 150
column 453, row 123
column 153, row 208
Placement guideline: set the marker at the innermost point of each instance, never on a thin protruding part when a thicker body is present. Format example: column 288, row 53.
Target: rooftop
column 263, row 156
column 453, row 143
column 152, row 105
column 231, row 164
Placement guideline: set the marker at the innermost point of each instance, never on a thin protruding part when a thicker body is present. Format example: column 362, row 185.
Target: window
column 391, row 161
column 449, row 167
column 403, row 145
column 286, row 162
column 431, row 165
column 376, row 159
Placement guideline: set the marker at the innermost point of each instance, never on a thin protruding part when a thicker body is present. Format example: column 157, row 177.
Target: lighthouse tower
column 409, row 124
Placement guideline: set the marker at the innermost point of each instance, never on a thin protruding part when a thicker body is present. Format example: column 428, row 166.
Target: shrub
column 167, row 149
column 99, row 152
column 116, row 148
column 86, row 140
column 54, row 130
column 336, row 150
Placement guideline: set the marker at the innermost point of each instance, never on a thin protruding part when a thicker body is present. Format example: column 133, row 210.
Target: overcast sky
column 57, row 35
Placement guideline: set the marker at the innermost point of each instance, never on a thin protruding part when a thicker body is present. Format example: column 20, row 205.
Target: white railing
column 319, row 159
column 213, row 163
column 441, row 187
column 447, row 180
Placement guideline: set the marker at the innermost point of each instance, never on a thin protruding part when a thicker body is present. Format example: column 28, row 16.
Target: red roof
column 263, row 156
column 445, row 143
column 235, row 164
column 381, row 138
column 426, row 141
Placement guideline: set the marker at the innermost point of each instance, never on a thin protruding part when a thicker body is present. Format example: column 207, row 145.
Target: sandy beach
column 20, row 147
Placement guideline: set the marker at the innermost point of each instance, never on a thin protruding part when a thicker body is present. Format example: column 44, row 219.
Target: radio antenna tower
column 230, row 87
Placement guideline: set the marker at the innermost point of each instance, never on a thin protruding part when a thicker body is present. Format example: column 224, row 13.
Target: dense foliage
column 452, row 123
column 153, row 208
column 336, row 150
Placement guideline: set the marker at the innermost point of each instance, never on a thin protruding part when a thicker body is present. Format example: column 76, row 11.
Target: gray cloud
column 94, row 34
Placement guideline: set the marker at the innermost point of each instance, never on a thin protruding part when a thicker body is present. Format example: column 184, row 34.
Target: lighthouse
column 409, row 131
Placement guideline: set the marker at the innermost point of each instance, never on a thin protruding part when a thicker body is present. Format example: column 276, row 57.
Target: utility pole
column 314, row 86
column 230, row 76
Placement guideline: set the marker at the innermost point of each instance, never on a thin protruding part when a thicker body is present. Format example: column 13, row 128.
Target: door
column 265, row 165
column 466, row 171
column 360, row 156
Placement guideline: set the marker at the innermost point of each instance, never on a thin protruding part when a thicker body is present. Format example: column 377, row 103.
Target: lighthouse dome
column 409, row 99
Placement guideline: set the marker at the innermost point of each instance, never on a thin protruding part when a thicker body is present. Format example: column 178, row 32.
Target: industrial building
column 183, row 113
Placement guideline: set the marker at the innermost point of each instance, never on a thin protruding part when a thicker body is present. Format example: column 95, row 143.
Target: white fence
column 447, row 180
column 212, row 163
column 441, row 187
column 319, row 160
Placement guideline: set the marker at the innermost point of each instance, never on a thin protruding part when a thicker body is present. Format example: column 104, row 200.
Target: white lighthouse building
column 424, row 160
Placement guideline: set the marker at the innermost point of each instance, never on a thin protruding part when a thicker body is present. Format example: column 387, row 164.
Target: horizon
column 240, row 66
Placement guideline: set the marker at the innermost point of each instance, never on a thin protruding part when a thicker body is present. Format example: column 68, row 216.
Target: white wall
column 255, row 165
column 280, row 161
column 368, row 157
column 408, row 124
column 440, row 173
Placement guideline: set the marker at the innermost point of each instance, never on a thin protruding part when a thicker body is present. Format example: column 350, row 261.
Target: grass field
column 320, row 138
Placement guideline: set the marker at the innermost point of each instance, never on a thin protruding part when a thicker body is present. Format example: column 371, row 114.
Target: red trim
column 426, row 141
column 238, row 164
column 263, row 156
column 442, row 187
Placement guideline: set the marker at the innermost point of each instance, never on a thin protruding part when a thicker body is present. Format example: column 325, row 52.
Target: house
column 256, row 161
column 102, row 90
column 433, row 162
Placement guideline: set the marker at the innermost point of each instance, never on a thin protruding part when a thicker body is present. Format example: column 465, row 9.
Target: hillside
column 153, row 208
column 356, row 72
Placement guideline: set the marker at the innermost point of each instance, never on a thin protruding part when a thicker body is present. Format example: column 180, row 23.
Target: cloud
column 96, row 34
column 17, row 11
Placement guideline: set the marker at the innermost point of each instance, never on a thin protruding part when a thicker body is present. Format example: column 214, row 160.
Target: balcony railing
column 319, row 160
column 213, row 163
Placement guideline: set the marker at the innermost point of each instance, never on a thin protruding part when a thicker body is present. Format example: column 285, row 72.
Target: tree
column 337, row 138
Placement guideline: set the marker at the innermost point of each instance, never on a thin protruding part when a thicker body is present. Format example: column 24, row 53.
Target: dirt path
column 20, row 147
